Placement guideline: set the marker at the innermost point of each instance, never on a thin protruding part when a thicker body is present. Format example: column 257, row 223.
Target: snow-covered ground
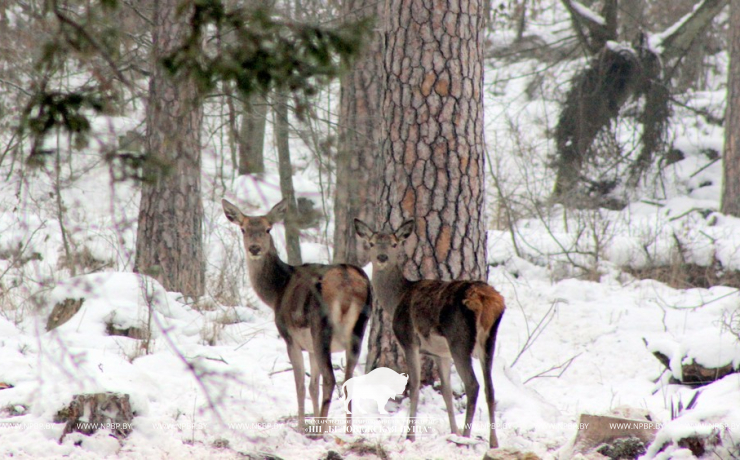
column 572, row 340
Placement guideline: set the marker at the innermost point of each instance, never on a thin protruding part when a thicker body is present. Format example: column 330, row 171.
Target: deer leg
column 352, row 355
column 444, row 365
column 486, row 364
column 464, row 366
column 296, row 360
column 322, row 345
column 412, row 360
column 313, row 383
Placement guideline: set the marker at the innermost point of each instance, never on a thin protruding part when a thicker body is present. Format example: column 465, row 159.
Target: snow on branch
column 597, row 30
column 676, row 40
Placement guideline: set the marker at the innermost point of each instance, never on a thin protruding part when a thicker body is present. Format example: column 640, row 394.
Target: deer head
column 256, row 229
column 385, row 249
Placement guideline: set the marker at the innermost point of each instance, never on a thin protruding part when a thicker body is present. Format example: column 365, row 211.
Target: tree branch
column 585, row 18
column 675, row 41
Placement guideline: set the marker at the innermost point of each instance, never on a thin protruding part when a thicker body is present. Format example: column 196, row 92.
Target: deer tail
column 488, row 306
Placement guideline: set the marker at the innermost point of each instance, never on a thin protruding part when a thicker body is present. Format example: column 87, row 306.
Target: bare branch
column 677, row 39
column 586, row 20
column 562, row 367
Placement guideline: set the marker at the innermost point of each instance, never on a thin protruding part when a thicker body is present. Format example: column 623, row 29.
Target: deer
column 450, row 320
column 319, row 308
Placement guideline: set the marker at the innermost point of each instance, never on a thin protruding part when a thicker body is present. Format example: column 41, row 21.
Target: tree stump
column 89, row 412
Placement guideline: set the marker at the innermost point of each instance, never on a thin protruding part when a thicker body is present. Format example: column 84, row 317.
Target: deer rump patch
column 318, row 296
column 379, row 385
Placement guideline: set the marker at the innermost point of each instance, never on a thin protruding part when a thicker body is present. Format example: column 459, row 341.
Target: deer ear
column 363, row 230
column 232, row 212
column 277, row 213
column 407, row 228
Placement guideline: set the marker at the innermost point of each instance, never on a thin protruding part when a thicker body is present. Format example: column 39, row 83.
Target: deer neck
column 269, row 277
column 389, row 286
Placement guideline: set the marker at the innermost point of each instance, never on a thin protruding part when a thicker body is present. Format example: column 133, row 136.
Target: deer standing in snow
column 450, row 320
column 318, row 308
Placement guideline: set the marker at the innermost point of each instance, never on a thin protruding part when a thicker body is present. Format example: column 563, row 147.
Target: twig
column 220, row 359
column 705, row 166
column 280, row 372
column 684, row 214
column 653, row 203
column 286, row 370
column 562, row 366
column 541, row 325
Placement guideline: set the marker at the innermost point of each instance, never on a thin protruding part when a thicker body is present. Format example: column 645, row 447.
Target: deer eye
column 268, row 229
column 394, row 245
column 371, row 244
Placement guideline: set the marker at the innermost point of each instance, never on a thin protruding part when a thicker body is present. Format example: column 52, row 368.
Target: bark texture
column 359, row 134
column 433, row 151
column 431, row 168
column 731, row 158
column 169, row 245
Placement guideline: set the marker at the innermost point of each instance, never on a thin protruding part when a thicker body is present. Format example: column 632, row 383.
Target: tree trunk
column 169, row 245
column 285, row 170
column 731, row 157
column 432, row 164
column 359, row 132
column 357, row 172
column 252, row 136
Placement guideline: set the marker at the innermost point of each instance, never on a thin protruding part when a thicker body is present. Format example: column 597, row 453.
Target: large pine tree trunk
column 731, row 158
column 433, row 151
column 169, row 243
column 359, row 132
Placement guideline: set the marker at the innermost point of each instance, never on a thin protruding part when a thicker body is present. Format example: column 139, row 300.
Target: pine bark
column 433, row 150
column 169, row 244
column 359, row 135
column 731, row 158
column 432, row 160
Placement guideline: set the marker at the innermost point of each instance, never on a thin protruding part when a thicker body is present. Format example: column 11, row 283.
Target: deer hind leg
column 352, row 355
column 486, row 363
column 313, row 384
column 322, row 347
column 464, row 366
column 444, row 365
column 296, row 360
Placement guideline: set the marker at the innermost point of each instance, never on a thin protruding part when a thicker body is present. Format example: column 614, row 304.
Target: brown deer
column 318, row 308
column 450, row 320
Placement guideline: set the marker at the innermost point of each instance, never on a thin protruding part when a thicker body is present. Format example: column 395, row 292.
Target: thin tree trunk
column 252, row 136
column 731, row 158
column 359, row 132
column 357, row 157
column 285, row 169
column 169, row 244
column 432, row 164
